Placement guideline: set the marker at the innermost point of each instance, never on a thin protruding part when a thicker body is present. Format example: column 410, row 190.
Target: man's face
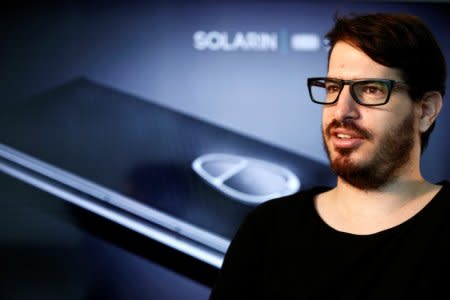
column 367, row 146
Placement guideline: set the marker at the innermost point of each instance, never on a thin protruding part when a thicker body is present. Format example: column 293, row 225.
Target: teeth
column 343, row 136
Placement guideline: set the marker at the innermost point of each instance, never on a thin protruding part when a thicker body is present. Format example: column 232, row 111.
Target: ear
column 429, row 108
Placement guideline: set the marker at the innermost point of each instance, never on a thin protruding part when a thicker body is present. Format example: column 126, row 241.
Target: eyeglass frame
column 390, row 83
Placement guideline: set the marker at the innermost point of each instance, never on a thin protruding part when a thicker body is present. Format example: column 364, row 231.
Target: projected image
column 149, row 161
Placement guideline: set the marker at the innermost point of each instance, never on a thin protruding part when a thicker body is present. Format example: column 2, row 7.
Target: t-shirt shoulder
column 290, row 203
column 300, row 196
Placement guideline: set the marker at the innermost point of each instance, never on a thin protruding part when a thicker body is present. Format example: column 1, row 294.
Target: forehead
column 349, row 62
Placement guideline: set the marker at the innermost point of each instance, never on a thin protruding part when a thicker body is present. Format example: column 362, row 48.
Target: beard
column 393, row 152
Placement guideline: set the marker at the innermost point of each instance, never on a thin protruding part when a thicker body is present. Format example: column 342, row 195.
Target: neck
column 349, row 209
column 391, row 195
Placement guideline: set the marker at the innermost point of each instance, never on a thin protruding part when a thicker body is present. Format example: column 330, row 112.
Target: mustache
column 350, row 125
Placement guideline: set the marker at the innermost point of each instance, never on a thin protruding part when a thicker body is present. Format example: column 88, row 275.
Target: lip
column 345, row 139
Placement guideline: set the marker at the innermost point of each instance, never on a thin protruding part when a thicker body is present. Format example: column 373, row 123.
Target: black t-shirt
column 284, row 250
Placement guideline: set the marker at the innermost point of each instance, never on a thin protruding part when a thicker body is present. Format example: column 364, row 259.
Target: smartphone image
column 179, row 180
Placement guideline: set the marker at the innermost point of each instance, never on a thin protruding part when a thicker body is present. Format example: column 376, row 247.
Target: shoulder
column 270, row 220
column 444, row 191
column 443, row 195
column 445, row 185
column 284, row 207
column 287, row 202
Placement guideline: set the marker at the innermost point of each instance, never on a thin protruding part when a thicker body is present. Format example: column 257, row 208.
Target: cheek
column 379, row 127
column 393, row 125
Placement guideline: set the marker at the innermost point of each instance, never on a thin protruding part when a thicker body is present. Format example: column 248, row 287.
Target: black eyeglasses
column 368, row 92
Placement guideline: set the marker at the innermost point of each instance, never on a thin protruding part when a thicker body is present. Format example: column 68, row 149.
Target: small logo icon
column 245, row 179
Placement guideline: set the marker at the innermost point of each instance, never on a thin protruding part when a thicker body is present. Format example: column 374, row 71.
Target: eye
column 374, row 89
column 331, row 87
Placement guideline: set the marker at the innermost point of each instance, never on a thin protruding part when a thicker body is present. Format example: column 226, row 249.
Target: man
column 383, row 232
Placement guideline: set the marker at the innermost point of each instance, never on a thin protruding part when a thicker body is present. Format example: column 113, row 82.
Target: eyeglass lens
column 370, row 92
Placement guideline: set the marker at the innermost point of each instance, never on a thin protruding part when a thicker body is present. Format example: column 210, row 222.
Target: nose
column 346, row 107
